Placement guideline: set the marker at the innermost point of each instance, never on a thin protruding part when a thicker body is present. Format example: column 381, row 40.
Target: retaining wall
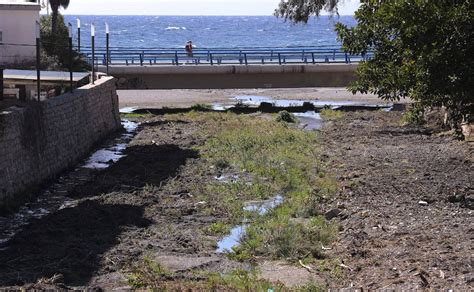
column 39, row 141
column 233, row 76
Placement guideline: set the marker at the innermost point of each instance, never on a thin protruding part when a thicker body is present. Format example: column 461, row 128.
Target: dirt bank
column 407, row 203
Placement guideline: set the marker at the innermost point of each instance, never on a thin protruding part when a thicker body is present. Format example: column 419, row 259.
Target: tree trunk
column 54, row 18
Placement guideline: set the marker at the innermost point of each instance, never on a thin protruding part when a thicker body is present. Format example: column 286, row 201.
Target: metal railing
column 233, row 56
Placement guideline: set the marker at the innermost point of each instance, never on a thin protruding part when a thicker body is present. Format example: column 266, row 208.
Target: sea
column 153, row 32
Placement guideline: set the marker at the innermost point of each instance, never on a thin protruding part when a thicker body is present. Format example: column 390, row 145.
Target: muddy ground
column 406, row 203
column 405, row 211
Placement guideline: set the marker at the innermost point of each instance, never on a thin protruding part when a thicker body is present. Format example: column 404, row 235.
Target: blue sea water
column 209, row 31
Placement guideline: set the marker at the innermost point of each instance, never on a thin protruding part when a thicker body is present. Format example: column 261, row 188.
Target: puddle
column 232, row 240
column 127, row 110
column 251, row 100
column 227, row 178
column 113, row 152
column 55, row 197
column 261, row 207
column 310, row 120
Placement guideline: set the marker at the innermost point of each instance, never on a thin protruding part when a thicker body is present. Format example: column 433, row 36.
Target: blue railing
column 232, row 56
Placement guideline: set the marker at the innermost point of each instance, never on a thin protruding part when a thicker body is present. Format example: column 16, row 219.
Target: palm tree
column 55, row 4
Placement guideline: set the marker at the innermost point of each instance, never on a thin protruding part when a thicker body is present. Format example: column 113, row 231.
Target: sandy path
column 189, row 97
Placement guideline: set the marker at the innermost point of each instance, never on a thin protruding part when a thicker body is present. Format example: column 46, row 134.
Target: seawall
column 191, row 76
column 40, row 140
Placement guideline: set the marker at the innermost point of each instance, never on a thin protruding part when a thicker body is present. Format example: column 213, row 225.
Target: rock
column 329, row 215
column 456, row 198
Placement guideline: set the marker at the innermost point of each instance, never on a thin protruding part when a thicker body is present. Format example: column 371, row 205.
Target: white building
column 18, row 31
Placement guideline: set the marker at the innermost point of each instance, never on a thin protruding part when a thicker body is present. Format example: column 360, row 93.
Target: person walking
column 189, row 48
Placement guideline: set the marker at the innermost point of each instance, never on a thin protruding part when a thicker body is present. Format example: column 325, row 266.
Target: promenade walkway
column 221, row 56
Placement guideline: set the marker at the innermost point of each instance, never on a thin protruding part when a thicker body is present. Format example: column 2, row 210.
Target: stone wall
column 40, row 140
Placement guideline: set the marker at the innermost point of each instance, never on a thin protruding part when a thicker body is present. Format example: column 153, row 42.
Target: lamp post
column 38, row 61
column 107, row 57
column 78, row 35
column 93, row 51
column 70, row 58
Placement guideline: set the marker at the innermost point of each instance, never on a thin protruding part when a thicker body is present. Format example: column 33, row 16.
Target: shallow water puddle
column 257, row 100
column 232, row 240
column 227, row 178
column 127, row 110
column 310, row 120
column 112, row 153
column 261, row 207
column 55, row 197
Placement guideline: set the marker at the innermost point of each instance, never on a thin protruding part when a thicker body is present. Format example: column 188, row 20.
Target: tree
column 422, row 49
column 55, row 4
column 55, row 46
column 302, row 10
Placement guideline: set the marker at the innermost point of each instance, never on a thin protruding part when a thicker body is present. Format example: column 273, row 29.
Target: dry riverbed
column 363, row 203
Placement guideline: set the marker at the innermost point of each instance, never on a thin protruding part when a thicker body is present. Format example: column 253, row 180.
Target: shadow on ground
column 143, row 165
column 69, row 242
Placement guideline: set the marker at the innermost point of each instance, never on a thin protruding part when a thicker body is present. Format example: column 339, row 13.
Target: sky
column 184, row 7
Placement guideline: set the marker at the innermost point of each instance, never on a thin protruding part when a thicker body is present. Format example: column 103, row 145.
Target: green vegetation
column 331, row 115
column 151, row 275
column 55, row 4
column 201, row 107
column 301, row 10
column 421, row 49
column 414, row 116
column 218, row 229
column 135, row 116
column 280, row 160
column 55, row 46
column 286, row 117
column 270, row 158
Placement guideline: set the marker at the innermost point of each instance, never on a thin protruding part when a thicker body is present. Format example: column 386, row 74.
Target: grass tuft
column 331, row 115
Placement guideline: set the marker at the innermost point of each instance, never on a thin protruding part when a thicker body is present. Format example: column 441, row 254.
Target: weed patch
column 280, row 160
column 331, row 115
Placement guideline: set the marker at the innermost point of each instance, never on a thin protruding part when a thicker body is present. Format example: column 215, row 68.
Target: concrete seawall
column 40, row 140
column 232, row 76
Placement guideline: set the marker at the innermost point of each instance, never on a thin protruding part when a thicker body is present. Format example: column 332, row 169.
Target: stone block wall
column 39, row 141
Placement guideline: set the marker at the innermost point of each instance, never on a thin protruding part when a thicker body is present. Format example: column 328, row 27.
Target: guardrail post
column 334, row 55
column 141, row 59
column 347, row 60
column 176, row 58
column 312, row 57
column 279, row 58
column 1, row 83
column 246, row 61
column 210, row 59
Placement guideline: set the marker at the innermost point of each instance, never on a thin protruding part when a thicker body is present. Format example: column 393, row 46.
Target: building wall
column 41, row 140
column 18, row 27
